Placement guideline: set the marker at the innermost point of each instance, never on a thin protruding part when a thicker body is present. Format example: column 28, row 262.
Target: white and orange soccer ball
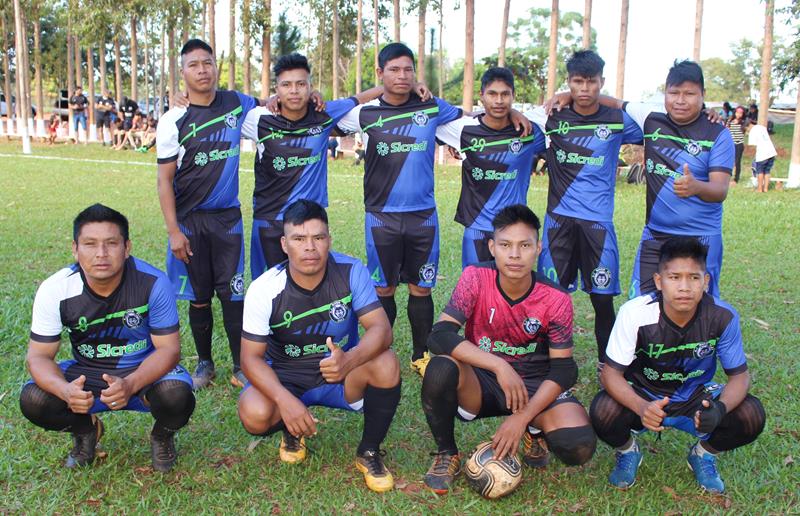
column 489, row 477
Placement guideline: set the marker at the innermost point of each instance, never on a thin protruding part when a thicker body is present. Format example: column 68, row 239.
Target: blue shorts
column 312, row 389
column 681, row 415
column 79, row 118
column 403, row 247
column 265, row 246
column 95, row 383
column 646, row 261
column 217, row 261
column 570, row 245
column 475, row 247
column 763, row 167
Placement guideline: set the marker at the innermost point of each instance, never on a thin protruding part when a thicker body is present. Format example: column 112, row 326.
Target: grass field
column 222, row 469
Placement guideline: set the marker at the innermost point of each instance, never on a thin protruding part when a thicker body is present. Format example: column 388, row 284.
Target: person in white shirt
column 765, row 156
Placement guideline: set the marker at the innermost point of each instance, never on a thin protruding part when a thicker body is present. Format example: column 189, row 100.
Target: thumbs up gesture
column 118, row 392
column 686, row 186
column 336, row 365
column 78, row 400
column 653, row 414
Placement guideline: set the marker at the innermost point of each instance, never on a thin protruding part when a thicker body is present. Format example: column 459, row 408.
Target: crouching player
column 304, row 315
column 662, row 357
column 515, row 358
column 122, row 322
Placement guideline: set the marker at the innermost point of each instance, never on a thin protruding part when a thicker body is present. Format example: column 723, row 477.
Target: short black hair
column 291, row 61
column 585, row 63
column 682, row 247
column 393, row 51
column 513, row 214
column 685, row 71
column 497, row 73
column 194, row 44
column 302, row 211
column 99, row 213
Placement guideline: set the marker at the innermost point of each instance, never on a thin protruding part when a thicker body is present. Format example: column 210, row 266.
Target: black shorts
column 103, row 121
column 570, row 245
column 265, row 245
column 493, row 400
column 403, row 247
column 310, row 387
column 217, row 261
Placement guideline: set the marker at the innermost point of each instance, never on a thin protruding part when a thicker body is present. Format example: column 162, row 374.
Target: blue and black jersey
column 291, row 156
column 495, row 171
column 204, row 140
column 582, row 161
column 295, row 323
column 399, row 143
column 110, row 333
column 661, row 358
column 705, row 146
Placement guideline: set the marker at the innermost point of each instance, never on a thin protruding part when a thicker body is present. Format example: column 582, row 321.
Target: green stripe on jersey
column 289, row 317
column 196, row 129
column 83, row 323
column 381, row 120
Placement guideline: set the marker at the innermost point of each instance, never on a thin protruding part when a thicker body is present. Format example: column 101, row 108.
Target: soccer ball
column 489, row 477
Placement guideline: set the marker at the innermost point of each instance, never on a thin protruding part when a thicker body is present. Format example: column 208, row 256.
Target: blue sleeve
column 538, row 140
column 365, row 299
column 162, row 308
column 722, row 153
column 247, row 103
column 729, row 348
column 447, row 112
column 631, row 132
column 336, row 109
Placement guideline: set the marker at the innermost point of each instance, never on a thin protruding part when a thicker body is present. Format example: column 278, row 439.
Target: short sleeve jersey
column 109, row 333
column 519, row 331
column 495, row 171
column 702, row 145
column 291, row 159
column 662, row 359
column 582, row 158
column 204, row 140
column 129, row 109
column 399, row 143
column 80, row 101
column 295, row 323
column 108, row 103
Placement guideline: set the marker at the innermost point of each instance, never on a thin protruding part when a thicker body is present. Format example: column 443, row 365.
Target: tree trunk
column 212, row 39
column 623, row 41
column 246, row 25
column 161, row 85
column 173, row 79
column 203, row 22
column 553, row 54
column 70, row 68
column 469, row 56
column 21, row 64
column 335, row 50
column 441, row 54
column 232, row 47
column 766, row 65
column 587, row 23
column 90, row 80
column 76, row 46
column 501, row 53
column 117, row 71
column 321, row 47
column 359, row 45
column 377, row 32
column 423, row 6
column 6, row 68
column 103, row 67
column 794, row 163
column 396, row 20
column 134, row 61
column 26, row 67
column 698, row 30
column 147, row 95
column 37, row 64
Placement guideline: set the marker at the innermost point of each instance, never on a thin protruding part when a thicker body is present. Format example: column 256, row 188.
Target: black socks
column 201, row 320
column 390, row 307
column 604, row 318
column 440, row 401
column 420, row 316
column 379, row 408
column 232, row 319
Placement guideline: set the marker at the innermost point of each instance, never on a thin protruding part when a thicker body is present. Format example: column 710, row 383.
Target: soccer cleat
column 84, row 446
column 537, row 455
column 377, row 477
column 444, row 470
column 239, row 379
column 292, row 450
column 624, row 474
column 705, row 471
column 162, row 452
column 203, row 375
column 419, row 365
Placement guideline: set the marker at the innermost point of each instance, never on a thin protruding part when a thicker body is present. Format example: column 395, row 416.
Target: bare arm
column 376, row 339
column 713, row 190
column 47, row 375
column 651, row 412
column 735, row 390
column 178, row 242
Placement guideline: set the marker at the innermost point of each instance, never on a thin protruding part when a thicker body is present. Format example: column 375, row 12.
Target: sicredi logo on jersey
column 201, row 159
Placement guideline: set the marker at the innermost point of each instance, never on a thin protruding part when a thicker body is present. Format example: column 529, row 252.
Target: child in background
column 765, row 156
column 52, row 129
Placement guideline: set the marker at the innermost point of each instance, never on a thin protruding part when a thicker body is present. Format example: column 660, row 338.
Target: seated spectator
column 149, row 135
column 118, row 133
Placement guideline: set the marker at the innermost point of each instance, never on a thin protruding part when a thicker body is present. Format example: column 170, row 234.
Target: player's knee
column 36, row 404
column 752, row 417
column 603, row 411
column 573, row 446
column 416, row 290
column 387, row 367
column 385, row 291
column 254, row 415
column 172, row 402
column 441, row 378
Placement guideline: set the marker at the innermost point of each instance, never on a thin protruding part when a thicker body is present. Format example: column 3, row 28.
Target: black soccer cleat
column 203, row 375
column 84, row 446
column 162, row 452
column 443, row 472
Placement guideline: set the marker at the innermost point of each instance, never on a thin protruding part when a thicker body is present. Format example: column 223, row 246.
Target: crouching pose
column 515, row 358
column 122, row 322
column 304, row 315
column 662, row 357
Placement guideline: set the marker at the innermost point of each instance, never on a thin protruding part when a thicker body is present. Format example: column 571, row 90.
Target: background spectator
column 128, row 108
column 737, row 124
column 105, row 115
column 78, row 103
column 765, row 156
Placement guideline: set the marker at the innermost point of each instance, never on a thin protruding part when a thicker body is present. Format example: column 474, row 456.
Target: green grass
column 223, row 469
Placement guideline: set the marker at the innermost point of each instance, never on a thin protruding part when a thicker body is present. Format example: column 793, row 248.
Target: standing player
column 661, row 364
column 122, row 323
column 495, row 172
column 515, row 358
column 579, row 234
column 303, row 317
column 198, row 187
column 401, row 227
column 105, row 111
